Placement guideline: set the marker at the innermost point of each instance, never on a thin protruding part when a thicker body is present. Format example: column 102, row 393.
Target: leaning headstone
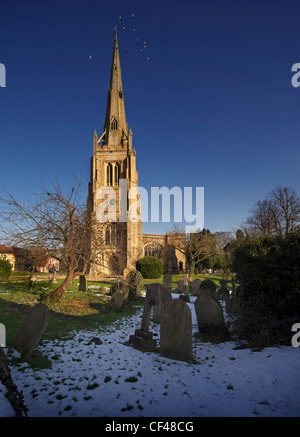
column 176, row 331
column 195, row 286
column 168, row 281
column 162, row 295
column 82, row 283
column 209, row 315
column 116, row 300
column 181, row 287
column 31, row 331
column 180, row 283
column 119, row 286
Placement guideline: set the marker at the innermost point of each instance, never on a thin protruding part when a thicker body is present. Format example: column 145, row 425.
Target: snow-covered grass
column 114, row 380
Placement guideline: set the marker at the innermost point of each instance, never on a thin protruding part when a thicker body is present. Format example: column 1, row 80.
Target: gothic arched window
column 114, row 124
column 117, row 173
column 153, row 249
column 112, row 236
column 107, row 236
column 109, row 174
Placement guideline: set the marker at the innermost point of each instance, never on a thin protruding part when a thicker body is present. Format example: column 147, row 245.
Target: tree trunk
column 59, row 291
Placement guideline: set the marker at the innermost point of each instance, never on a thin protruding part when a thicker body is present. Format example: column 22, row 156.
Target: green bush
column 5, row 270
column 268, row 269
column 134, row 282
column 150, row 267
column 119, row 286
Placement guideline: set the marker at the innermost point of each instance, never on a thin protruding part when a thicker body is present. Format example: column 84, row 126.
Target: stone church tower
column 114, row 162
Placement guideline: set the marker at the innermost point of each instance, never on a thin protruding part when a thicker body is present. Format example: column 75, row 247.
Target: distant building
column 24, row 259
column 41, row 261
column 19, row 258
column 48, row 265
column 7, row 254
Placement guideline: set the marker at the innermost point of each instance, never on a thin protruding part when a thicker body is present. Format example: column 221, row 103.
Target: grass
column 212, row 338
column 74, row 311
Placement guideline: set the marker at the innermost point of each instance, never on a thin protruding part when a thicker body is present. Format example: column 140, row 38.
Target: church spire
column 115, row 120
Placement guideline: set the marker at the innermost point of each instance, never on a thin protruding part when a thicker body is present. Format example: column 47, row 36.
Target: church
column 114, row 159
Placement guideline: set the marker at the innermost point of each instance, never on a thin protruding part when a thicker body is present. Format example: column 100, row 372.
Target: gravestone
column 195, row 286
column 176, row 331
column 143, row 338
column 32, row 280
column 208, row 287
column 182, row 287
column 168, row 281
column 232, row 305
column 238, row 291
column 53, row 279
column 116, row 300
column 162, row 295
column 209, row 315
column 119, row 286
column 223, row 293
column 82, row 283
column 32, row 330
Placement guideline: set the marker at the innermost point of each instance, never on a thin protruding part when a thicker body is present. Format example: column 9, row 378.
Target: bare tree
column 60, row 223
column 287, row 202
column 277, row 214
column 196, row 247
column 222, row 239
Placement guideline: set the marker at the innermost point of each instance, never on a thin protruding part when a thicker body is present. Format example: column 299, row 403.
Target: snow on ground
column 115, row 380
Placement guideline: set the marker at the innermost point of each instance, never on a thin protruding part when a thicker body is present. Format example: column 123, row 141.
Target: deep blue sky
column 214, row 107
